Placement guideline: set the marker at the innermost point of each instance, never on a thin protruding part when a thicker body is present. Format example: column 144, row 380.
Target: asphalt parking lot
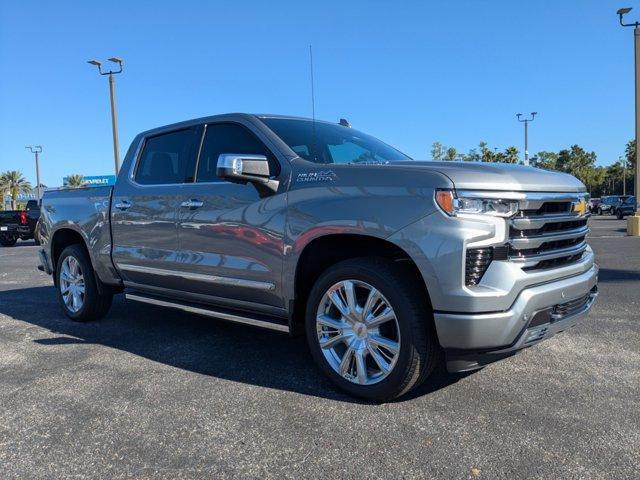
column 153, row 393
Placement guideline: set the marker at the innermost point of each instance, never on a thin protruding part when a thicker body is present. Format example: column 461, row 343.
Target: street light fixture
column 636, row 35
column 526, row 134
column 37, row 149
column 112, row 95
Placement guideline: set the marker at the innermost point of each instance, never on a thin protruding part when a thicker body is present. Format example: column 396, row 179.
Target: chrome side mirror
column 246, row 168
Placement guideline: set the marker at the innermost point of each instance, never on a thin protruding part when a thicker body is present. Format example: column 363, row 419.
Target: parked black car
column 609, row 203
column 19, row 224
column 626, row 207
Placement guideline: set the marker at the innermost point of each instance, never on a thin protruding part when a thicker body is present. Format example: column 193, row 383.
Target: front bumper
column 472, row 340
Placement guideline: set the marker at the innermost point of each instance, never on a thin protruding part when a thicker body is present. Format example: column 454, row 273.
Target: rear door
column 231, row 237
column 144, row 210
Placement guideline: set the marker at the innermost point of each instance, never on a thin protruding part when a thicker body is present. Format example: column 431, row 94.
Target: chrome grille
column 548, row 231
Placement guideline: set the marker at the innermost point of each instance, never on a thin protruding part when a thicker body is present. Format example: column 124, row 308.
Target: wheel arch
column 324, row 251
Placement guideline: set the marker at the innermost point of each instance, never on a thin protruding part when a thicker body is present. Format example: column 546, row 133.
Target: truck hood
column 500, row 176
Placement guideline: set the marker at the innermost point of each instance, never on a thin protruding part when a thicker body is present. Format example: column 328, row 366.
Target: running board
column 254, row 320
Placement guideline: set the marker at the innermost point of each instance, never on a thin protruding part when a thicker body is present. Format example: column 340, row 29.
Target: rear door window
column 165, row 158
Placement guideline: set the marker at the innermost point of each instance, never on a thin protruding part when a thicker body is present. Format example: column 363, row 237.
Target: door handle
column 123, row 205
column 192, row 203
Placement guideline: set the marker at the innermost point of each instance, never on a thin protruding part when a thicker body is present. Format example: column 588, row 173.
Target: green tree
column 451, row 154
column 630, row 153
column 13, row 183
column 577, row 162
column 486, row 154
column 437, row 151
column 546, row 160
column 472, row 156
column 75, row 181
column 511, row 155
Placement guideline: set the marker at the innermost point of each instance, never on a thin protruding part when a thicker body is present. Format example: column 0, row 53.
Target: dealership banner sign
column 95, row 180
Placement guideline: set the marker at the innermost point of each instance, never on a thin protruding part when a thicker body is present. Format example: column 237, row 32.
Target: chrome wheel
column 72, row 284
column 358, row 332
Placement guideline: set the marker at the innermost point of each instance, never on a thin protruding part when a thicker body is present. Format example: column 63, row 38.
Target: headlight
column 453, row 205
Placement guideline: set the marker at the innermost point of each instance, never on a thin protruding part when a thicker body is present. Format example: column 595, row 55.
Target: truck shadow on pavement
column 618, row 275
column 196, row 344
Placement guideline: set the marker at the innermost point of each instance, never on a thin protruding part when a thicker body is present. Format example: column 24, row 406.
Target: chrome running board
column 222, row 314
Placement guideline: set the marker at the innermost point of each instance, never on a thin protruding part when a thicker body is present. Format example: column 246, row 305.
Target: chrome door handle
column 123, row 205
column 192, row 204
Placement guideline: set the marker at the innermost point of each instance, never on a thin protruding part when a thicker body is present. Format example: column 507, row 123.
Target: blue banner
column 95, row 180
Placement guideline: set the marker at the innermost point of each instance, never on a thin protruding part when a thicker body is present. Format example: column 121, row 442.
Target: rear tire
column 410, row 333
column 8, row 241
column 77, row 287
column 599, row 212
column 619, row 215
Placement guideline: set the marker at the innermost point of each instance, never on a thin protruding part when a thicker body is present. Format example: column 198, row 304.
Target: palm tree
column 75, row 181
column 14, row 183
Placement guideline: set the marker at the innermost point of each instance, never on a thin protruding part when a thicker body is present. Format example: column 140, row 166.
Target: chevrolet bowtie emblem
column 579, row 207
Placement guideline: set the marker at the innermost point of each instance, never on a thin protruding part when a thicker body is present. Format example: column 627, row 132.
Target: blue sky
column 410, row 73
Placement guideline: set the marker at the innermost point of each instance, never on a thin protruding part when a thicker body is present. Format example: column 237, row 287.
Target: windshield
column 322, row 142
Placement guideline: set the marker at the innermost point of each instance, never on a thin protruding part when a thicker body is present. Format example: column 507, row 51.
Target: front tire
column 77, row 287
column 370, row 328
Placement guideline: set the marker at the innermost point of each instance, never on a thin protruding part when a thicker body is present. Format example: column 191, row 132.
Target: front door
column 144, row 210
column 231, row 238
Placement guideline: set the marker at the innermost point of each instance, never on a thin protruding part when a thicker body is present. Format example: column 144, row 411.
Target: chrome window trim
column 200, row 277
column 195, row 172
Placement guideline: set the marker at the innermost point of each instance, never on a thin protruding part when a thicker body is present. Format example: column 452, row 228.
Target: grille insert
column 547, row 233
column 555, row 262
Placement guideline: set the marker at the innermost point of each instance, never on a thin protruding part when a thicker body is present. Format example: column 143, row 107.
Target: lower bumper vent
column 477, row 262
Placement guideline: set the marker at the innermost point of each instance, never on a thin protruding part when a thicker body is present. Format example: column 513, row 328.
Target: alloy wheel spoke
column 350, row 295
column 345, row 363
column 331, row 342
column 77, row 300
column 339, row 304
column 372, row 299
column 391, row 345
column 385, row 316
column 330, row 322
column 361, row 367
column 66, row 273
column 379, row 359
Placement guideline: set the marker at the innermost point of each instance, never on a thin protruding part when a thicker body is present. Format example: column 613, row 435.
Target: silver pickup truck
column 388, row 265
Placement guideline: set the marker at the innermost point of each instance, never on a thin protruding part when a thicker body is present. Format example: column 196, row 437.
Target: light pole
column 624, row 174
column 112, row 93
column 526, row 134
column 37, row 150
column 636, row 45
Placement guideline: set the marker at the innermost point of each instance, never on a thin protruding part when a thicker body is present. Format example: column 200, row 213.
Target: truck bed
column 86, row 211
